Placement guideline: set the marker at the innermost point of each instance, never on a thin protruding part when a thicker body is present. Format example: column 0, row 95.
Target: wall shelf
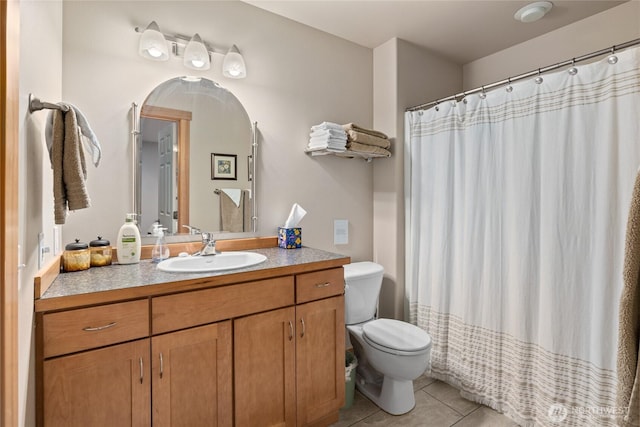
column 347, row 154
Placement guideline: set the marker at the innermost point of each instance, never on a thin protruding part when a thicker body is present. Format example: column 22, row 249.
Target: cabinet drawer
column 173, row 312
column 319, row 284
column 85, row 328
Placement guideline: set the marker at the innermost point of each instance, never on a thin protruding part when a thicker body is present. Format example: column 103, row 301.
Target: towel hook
column 36, row 105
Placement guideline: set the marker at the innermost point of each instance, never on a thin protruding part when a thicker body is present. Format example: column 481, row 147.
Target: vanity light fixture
column 153, row 44
column 534, row 11
column 233, row 64
column 196, row 53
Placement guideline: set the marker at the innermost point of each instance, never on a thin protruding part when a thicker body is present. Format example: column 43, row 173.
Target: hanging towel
column 68, row 164
column 89, row 139
column 628, row 363
column 231, row 216
column 352, row 126
column 234, row 195
column 246, row 197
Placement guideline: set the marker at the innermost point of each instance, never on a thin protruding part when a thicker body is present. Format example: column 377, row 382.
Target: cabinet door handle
column 99, row 328
column 290, row 330
column 161, row 366
column 141, row 370
column 303, row 327
column 322, row 285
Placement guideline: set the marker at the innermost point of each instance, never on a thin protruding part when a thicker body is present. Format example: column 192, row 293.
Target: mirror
column 195, row 160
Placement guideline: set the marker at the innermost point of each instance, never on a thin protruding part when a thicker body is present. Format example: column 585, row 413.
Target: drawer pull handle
column 99, row 328
column 161, row 366
column 322, row 285
column 290, row 330
column 303, row 328
column 141, row 371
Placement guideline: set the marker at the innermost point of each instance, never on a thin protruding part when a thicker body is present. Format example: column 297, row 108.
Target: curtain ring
column 612, row 59
column 538, row 79
column 509, row 87
column 437, row 108
column 573, row 70
column 482, row 95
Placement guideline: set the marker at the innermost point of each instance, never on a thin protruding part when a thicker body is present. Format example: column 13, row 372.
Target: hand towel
column 365, row 138
column 352, row 126
column 68, row 164
column 234, row 195
column 628, row 362
column 89, row 138
column 231, row 216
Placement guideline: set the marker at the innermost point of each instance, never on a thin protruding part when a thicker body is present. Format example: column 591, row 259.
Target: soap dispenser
column 160, row 250
column 128, row 245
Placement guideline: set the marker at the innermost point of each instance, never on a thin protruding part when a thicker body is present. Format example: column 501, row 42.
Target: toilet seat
column 396, row 337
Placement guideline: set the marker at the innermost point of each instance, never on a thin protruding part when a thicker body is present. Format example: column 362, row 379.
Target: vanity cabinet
column 289, row 363
column 257, row 352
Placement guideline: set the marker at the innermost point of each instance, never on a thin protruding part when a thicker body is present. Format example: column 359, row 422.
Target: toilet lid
column 395, row 336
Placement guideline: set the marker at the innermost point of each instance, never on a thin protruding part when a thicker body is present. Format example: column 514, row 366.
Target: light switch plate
column 340, row 232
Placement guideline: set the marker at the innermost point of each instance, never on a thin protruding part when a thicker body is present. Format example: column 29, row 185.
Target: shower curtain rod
column 509, row 80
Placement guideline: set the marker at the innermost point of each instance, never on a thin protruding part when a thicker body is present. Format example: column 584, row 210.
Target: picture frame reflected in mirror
column 223, row 166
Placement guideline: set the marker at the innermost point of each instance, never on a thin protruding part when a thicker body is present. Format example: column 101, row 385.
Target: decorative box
column 290, row 238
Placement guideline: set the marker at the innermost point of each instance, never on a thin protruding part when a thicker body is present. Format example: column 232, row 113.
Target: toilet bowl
column 391, row 353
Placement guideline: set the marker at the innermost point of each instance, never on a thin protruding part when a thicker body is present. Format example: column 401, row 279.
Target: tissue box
column 290, row 238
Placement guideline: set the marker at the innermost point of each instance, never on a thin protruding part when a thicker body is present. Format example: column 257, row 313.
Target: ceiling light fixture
column 534, row 11
column 153, row 44
column 233, row 64
column 196, row 53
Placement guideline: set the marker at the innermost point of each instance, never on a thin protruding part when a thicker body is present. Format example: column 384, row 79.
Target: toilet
column 391, row 353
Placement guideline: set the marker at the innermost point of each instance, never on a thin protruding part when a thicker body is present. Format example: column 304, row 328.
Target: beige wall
column 613, row 26
column 404, row 75
column 297, row 77
column 41, row 74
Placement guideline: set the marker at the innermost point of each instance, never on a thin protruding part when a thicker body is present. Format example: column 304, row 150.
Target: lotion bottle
column 129, row 244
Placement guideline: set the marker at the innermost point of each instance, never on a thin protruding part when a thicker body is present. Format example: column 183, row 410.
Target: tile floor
column 437, row 405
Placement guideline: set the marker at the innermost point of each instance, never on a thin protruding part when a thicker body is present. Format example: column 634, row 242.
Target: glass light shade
column 152, row 44
column 196, row 56
column 233, row 64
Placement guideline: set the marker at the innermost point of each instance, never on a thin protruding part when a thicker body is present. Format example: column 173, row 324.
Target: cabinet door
column 192, row 378
column 110, row 386
column 320, row 361
column 264, row 367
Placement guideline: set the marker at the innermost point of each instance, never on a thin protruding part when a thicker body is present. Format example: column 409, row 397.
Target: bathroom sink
column 219, row 262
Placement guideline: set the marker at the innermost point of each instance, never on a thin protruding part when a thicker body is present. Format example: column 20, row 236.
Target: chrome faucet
column 208, row 245
column 192, row 230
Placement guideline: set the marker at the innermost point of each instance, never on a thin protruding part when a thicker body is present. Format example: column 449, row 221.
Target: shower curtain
column 516, row 208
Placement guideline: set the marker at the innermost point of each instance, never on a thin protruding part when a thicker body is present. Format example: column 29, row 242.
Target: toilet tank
column 363, row 281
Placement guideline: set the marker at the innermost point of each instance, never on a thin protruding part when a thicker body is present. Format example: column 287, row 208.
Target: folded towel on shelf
column 365, row 138
column 89, row 139
column 326, row 125
column 352, row 126
column 369, row 149
column 334, row 133
column 327, row 140
column 68, row 164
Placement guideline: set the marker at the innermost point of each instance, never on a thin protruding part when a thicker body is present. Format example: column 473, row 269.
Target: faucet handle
column 206, row 237
column 192, row 230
